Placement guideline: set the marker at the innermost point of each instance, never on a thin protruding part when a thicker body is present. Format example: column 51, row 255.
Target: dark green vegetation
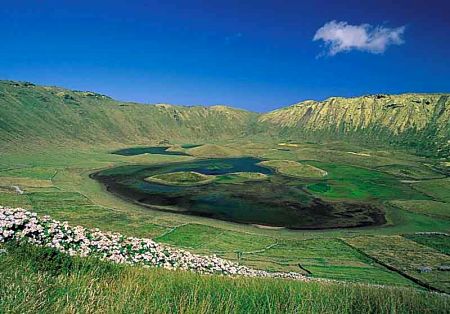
column 52, row 139
column 280, row 201
column 36, row 280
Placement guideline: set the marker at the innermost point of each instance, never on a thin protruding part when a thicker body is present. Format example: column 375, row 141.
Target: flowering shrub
column 21, row 225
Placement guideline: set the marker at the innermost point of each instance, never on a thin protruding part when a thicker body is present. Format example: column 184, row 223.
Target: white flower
column 20, row 224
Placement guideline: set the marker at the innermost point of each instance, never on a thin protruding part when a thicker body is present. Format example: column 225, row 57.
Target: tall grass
column 36, row 280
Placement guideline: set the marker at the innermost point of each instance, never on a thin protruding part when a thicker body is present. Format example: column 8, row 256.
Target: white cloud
column 342, row 37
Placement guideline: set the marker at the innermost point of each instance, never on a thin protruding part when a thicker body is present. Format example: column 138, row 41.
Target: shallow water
column 132, row 151
column 279, row 201
column 187, row 146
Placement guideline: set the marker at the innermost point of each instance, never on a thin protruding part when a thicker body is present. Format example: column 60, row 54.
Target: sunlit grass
column 32, row 282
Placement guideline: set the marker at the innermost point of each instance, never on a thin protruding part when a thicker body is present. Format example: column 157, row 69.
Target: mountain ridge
column 414, row 120
column 44, row 114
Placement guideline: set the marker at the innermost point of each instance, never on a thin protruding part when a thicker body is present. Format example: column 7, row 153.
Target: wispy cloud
column 342, row 37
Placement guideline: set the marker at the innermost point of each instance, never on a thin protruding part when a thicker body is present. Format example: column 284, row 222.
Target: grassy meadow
column 36, row 280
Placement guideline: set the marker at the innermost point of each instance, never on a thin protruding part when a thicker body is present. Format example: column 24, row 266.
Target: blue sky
column 257, row 55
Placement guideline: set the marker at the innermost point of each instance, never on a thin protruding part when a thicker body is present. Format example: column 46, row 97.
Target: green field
column 439, row 242
column 408, row 257
column 346, row 181
column 47, row 168
column 425, row 207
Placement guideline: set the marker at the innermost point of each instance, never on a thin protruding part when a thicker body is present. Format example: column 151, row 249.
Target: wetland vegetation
column 295, row 195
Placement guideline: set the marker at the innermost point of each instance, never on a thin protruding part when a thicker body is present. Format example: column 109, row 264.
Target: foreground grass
column 41, row 280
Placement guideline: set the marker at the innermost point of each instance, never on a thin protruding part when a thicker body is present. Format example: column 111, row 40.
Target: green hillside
column 30, row 114
column 417, row 121
column 37, row 280
column 38, row 114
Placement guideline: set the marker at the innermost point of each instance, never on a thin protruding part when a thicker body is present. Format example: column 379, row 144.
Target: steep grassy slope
column 418, row 121
column 31, row 113
column 38, row 280
column 38, row 114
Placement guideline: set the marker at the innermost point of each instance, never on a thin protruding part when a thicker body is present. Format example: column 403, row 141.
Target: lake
column 279, row 200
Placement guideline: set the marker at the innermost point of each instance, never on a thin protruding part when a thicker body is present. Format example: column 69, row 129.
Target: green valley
column 351, row 191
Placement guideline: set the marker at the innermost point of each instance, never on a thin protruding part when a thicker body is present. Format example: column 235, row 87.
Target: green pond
column 348, row 197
